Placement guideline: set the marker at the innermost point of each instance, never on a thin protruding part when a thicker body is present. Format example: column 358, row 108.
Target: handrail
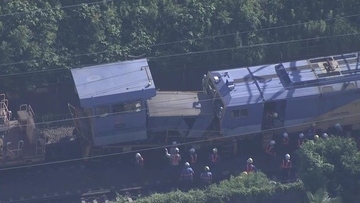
column 73, row 115
column 31, row 110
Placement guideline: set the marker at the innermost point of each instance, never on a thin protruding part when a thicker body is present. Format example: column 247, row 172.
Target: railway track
column 99, row 182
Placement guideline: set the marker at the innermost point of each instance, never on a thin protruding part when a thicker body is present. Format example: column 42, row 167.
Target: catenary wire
column 187, row 40
column 165, row 101
column 54, row 8
column 192, row 53
column 180, row 144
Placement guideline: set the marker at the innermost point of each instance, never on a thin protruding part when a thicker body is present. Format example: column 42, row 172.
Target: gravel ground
column 58, row 134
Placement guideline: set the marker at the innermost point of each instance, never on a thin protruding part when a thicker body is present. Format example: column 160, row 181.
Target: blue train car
column 323, row 91
column 112, row 103
column 121, row 107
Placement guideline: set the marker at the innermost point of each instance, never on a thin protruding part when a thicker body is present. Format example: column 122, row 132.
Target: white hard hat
column 325, row 135
column 301, row 135
column 272, row 142
column 207, row 168
column 177, row 150
column 337, row 125
column 287, row 156
column 174, row 143
column 137, row 155
column 275, row 115
column 316, row 137
column 215, row 150
column 187, row 164
column 250, row 161
column 285, row 135
column 192, row 150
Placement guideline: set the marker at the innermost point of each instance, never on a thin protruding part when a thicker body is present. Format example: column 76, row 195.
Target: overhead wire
column 148, row 108
column 155, row 45
column 54, row 8
column 198, row 52
column 175, row 109
column 166, row 101
column 179, row 144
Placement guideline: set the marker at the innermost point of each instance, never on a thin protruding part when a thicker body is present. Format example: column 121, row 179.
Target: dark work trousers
column 174, row 173
column 216, row 171
column 140, row 173
column 187, row 184
column 285, row 173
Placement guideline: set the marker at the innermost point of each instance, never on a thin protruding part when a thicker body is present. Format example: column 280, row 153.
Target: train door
column 274, row 114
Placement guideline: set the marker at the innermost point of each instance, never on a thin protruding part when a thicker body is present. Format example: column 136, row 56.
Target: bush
column 252, row 188
column 333, row 164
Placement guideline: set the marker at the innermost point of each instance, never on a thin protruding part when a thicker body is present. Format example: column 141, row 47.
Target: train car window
column 239, row 113
column 244, row 113
column 102, row 110
column 235, row 114
column 127, row 107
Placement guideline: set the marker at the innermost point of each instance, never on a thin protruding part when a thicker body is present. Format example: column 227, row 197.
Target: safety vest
column 187, row 174
column 140, row 161
column 250, row 168
column 286, row 164
column 285, row 141
column 175, row 159
column 206, row 177
column 300, row 142
column 193, row 158
column 214, row 158
column 270, row 149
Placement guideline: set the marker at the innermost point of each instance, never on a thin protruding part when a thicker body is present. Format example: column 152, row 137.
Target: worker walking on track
column 174, row 163
column 285, row 143
column 139, row 160
column 206, row 176
column 312, row 132
column 300, row 140
column 187, row 176
column 286, row 166
column 270, row 151
column 250, row 167
column 192, row 159
column 214, row 159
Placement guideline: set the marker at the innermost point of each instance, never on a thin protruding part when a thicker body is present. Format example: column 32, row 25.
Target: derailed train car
column 121, row 108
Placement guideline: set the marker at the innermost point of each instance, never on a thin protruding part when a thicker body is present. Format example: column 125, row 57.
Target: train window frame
column 129, row 107
column 99, row 110
column 239, row 113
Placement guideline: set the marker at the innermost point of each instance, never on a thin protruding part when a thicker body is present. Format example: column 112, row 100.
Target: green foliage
column 34, row 40
column 321, row 196
column 333, row 164
column 252, row 188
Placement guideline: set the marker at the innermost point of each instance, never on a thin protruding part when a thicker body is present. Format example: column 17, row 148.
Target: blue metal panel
column 111, row 128
column 120, row 81
column 200, row 126
column 254, row 116
column 306, row 107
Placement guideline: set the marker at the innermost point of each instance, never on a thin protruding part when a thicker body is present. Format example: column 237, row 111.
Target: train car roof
column 114, row 82
column 249, row 85
column 180, row 104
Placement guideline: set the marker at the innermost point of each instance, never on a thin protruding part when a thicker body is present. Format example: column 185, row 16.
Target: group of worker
column 187, row 172
column 285, row 147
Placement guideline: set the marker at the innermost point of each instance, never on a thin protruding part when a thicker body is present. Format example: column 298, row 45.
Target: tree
column 321, row 196
column 333, row 164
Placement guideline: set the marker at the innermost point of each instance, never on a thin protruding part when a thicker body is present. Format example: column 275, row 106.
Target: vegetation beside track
column 244, row 188
column 328, row 168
